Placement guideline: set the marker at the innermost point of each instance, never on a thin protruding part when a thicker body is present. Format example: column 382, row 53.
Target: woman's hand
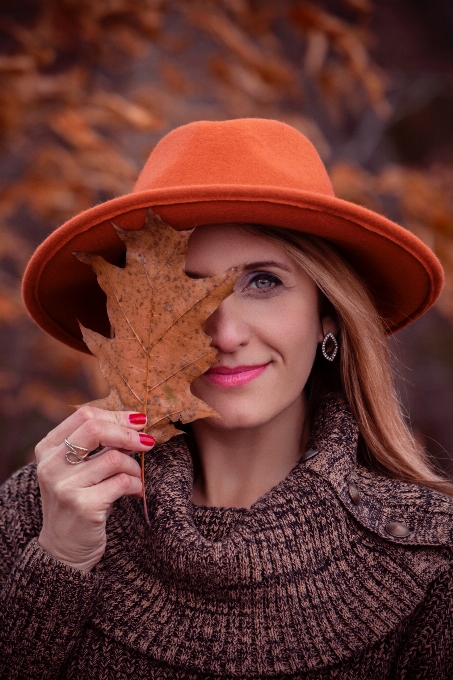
column 77, row 499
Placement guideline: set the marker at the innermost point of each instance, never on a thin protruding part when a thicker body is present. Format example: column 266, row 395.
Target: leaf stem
column 145, row 507
column 145, row 404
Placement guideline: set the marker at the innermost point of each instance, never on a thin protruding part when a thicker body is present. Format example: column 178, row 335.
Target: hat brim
column 403, row 275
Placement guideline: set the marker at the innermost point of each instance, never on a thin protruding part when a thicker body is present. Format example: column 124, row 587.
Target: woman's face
column 266, row 333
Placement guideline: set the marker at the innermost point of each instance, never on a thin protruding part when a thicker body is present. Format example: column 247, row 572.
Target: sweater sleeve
column 427, row 646
column 43, row 603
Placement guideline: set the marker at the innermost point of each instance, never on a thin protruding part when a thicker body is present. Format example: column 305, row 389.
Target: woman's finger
column 112, row 488
column 94, row 432
column 130, row 419
column 109, row 464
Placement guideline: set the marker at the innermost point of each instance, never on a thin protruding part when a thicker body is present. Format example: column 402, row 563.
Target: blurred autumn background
column 88, row 87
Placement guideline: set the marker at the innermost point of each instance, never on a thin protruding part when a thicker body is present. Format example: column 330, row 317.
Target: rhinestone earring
column 332, row 352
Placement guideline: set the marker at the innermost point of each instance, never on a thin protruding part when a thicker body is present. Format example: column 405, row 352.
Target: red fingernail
column 137, row 418
column 147, row 440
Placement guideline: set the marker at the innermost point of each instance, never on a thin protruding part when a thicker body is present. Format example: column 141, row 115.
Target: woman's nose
column 227, row 328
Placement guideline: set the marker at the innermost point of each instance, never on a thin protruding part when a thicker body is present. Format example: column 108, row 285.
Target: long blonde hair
column 364, row 371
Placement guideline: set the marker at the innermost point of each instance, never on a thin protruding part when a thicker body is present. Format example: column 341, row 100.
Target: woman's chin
column 229, row 422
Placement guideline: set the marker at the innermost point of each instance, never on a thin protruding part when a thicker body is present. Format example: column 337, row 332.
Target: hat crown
column 245, row 152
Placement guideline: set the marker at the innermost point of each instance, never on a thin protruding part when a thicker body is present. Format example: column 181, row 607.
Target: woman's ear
column 328, row 325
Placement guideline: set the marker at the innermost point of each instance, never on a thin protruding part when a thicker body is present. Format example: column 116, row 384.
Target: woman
column 301, row 534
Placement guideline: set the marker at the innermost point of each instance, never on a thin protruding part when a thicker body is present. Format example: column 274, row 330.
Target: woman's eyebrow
column 250, row 266
column 261, row 264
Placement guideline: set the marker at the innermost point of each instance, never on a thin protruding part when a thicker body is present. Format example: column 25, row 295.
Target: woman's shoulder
column 22, row 481
column 397, row 511
column 20, row 502
column 408, row 513
column 400, row 512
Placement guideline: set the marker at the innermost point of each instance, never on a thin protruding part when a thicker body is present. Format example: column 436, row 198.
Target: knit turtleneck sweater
column 310, row 582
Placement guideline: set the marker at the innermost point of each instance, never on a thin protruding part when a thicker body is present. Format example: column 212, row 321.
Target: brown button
column 397, row 529
column 309, row 454
column 354, row 493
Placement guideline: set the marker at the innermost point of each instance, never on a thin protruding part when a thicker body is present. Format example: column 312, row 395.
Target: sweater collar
column 296, row 583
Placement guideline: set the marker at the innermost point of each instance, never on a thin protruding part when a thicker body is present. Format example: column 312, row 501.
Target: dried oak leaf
column 156, row 313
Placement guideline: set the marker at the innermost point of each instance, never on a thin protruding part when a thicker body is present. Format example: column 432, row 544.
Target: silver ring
column 73, row 451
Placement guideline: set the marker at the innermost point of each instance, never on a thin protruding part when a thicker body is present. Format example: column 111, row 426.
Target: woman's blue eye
column 264, row 281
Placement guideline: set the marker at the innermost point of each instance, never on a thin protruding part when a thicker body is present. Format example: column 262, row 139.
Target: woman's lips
column 231, row 377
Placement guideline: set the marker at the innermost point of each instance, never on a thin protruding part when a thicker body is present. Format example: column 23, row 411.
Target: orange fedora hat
column 244, row 170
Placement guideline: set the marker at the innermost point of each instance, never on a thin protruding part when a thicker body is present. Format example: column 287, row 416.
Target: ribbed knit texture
column 305, row 584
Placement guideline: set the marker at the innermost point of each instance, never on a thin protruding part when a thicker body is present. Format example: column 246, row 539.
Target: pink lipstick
column 232, row 377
